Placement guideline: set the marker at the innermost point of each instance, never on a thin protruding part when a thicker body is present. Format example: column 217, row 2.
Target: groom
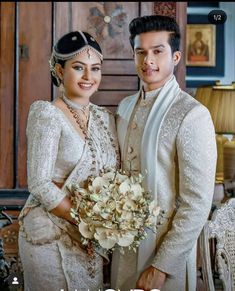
column 165, row 131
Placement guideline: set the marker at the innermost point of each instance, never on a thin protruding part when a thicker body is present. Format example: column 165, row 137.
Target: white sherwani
column 178, row 150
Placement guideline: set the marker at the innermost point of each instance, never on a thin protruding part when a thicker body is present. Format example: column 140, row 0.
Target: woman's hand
column 63, row 210
column 151, row 278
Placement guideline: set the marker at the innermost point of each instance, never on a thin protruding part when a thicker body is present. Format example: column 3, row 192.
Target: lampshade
column 220, row 100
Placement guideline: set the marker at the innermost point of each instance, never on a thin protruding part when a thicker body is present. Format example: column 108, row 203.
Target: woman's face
column 81, row 75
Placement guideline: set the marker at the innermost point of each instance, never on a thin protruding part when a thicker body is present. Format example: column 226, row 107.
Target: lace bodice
column 55, row 148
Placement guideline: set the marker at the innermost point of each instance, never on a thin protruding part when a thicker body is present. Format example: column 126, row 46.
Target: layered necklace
column 73, row 108
column 97, row 117
column 74, row 105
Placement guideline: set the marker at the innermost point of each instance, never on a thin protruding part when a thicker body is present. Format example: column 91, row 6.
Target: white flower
column 138, row 222
column 98, row 207
column 137, row 191
column 129, row 205
column 95, row 197
column 126, row 215
column 121, row 178
column 106, row 215
column 125, row 187
column 126, row 239
column 84, row 230
column 110, row 205
column 109, row 175
column 109, row 224
column 99, row 183
column 106, row 237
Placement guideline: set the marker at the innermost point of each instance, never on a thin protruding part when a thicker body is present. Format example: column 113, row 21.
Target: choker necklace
column 74, row 105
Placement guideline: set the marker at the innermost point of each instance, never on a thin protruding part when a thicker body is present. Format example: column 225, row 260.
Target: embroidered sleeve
column 196, row 148
column 43, row 135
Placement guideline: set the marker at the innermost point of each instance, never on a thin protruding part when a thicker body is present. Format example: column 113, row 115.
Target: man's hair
column 156, row 23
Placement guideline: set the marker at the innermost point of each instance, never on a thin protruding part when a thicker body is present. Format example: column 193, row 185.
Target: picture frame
column 200, row 45
column 216, row 70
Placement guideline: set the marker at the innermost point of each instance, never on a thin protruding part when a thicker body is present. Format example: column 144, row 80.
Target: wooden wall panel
column 119, row 82
column 34, row 75
column 118, row 67
column 146, row 8
column 7, row 53
column 108, row 23
column 108, row 98
column 62, row 19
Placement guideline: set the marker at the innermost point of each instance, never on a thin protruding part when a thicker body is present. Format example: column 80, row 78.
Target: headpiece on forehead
column 70, row 45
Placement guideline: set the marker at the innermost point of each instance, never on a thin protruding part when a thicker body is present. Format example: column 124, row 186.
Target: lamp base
column 220, row 141
column 229, row 160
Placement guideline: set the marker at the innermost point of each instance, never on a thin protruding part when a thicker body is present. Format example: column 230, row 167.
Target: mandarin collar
column 150, row 94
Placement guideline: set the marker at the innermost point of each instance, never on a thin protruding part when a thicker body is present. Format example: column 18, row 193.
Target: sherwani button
column 130, row 150
column 134, row 125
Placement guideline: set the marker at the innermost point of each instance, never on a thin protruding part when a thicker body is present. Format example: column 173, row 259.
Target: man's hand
column 151, row 278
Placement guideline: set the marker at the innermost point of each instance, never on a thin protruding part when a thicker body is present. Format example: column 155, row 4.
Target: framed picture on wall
column 200, row 45
column 209, row 59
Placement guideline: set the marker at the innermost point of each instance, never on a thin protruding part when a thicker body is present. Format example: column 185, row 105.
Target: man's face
column 153, row 58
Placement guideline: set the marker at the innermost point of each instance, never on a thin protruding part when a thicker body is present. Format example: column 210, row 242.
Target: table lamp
column 220, row 101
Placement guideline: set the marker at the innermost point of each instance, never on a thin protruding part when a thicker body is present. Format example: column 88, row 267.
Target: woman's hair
column 156, row 23
column 68, row 46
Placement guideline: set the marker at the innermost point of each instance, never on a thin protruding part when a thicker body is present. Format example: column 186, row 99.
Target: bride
column 68, row 140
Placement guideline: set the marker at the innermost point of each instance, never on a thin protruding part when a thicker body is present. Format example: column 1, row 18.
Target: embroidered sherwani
column 178, row 150
column 50, row 248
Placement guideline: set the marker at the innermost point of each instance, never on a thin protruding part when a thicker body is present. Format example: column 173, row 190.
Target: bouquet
column 113, row 210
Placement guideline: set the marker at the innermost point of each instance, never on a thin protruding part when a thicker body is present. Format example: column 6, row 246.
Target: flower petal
column 99, row 183
column 124, row 187
column 126, row 240
column 84, row 230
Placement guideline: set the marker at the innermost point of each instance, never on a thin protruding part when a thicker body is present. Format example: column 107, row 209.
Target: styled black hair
column 68, row 46
column 156, row 23
column 74, row 41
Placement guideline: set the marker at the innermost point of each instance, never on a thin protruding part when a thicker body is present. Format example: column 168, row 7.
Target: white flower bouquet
column 113, row 210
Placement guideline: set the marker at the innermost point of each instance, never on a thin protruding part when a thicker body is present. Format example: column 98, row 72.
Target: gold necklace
column 82, row 125
column 84, row 128
column 73, row 107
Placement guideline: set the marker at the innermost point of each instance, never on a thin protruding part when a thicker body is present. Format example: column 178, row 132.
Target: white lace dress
column 51, row 254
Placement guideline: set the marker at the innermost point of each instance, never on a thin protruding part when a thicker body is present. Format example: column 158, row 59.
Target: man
column 165, row 131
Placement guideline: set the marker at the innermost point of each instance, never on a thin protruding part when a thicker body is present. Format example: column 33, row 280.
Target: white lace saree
column 56, row 153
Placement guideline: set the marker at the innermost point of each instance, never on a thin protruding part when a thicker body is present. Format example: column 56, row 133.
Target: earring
column 61, row 87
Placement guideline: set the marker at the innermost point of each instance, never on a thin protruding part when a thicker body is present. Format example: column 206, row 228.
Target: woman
column 68, row 140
